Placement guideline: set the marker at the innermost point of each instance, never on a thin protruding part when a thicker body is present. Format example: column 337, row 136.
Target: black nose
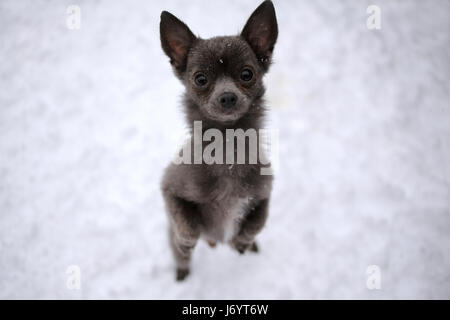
column 228, row 99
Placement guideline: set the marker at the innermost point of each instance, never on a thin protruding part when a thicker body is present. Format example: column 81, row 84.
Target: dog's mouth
column 229, row 111
column 225, row 115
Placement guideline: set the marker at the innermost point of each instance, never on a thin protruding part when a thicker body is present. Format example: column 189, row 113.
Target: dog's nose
column 228, row 99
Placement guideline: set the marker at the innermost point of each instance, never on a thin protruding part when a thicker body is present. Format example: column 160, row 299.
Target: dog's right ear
column 176, row 40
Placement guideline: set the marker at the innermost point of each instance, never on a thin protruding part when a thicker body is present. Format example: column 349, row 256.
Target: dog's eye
column 200, row 79
column 246, row 74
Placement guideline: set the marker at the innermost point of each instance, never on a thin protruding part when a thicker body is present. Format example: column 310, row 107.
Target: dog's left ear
column 261, row 32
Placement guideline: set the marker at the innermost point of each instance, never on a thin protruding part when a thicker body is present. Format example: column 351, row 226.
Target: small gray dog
column 224, row 90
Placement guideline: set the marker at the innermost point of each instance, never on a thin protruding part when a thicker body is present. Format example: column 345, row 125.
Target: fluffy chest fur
column 221, row 221
column 222, row 214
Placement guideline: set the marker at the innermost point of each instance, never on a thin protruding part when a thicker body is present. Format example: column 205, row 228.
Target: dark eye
column 246, row 74
column 200, row 79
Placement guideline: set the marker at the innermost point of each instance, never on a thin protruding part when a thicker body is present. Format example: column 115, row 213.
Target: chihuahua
column 217, row 201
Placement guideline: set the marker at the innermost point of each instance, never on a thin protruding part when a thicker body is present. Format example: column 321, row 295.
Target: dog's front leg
column 184, row 232
column 250, row 227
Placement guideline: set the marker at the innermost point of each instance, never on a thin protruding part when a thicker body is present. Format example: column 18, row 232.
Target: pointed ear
column 176, row 40
column 261, row 32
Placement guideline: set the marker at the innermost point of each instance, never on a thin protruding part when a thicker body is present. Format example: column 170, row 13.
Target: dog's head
column 222, row 75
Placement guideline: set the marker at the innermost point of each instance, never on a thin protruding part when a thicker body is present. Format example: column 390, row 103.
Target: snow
column 90, row 117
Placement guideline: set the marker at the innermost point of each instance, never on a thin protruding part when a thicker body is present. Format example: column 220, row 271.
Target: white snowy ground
column 89, row 118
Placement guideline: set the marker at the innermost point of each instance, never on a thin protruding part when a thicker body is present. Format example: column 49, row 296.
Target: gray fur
column 218, row 202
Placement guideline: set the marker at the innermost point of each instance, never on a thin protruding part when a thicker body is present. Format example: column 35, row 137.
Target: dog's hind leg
column 184, row 232
column 182, row 251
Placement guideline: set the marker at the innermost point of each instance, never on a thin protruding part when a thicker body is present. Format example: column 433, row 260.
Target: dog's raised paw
column 241, row 247
column 254, row 248
column 182, row 274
